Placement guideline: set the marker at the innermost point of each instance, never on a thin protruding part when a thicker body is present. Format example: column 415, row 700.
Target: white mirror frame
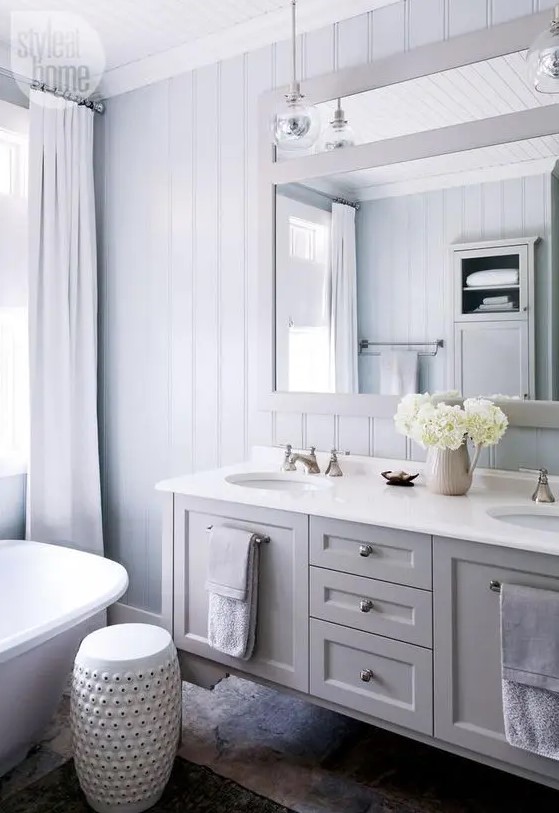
column 454, row 53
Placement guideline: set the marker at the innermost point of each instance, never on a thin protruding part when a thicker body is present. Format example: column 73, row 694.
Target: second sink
column 538, row 519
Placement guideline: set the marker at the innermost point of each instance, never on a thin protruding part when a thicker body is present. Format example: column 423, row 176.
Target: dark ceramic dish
column 399, row 478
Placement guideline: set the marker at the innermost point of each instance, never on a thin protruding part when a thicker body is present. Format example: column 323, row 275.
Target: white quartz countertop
column 362, row 495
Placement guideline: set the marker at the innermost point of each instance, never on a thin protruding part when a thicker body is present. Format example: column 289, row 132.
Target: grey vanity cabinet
column 281, row 653
column 467, row 664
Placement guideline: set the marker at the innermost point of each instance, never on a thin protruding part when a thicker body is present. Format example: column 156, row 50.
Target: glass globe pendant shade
column 543, row 59
column 296, row 126
column 339, row 133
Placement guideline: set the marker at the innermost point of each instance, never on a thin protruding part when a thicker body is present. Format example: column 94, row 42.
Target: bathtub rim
column 17, row 644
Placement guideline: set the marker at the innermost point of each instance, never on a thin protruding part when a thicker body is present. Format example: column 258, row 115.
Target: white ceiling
column 147, row 40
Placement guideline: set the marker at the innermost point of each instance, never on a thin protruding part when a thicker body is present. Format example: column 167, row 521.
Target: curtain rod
column 97, row 107
column 352, row 203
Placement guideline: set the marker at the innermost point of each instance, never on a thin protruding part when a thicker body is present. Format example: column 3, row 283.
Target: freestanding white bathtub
column 47, row 594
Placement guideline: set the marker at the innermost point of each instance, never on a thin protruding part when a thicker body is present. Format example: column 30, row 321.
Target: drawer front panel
column 372, row 675
column 404, row 613
column 367, row 550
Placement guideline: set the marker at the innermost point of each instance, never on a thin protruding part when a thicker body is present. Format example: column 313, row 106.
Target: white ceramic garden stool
column 125, row 716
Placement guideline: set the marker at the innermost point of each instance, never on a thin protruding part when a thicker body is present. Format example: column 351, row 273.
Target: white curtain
column 343, row 309
column 64, row 499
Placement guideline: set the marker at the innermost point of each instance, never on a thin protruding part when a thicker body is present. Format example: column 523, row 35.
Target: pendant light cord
column 294, row 83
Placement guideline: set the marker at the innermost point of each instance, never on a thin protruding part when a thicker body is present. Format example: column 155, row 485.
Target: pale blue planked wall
column 178, row 212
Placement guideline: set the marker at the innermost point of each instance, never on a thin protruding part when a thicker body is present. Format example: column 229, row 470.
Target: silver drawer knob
column 366, row 605
column 366, row 675
column 365, row 550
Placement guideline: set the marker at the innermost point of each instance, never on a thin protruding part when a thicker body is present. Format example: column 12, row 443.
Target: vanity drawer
column 372, row 675
column 404, row 613
column 367, row 550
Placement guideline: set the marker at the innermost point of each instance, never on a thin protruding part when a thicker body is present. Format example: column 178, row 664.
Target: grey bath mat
column 191, row 789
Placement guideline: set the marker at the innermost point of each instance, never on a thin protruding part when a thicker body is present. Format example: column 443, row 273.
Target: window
column 14, row 386
column 13, row 163
column 14, row 364
column 309, row 359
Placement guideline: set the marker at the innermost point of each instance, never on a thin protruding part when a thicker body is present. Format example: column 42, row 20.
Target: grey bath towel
column 530, row 668
column 233, row 591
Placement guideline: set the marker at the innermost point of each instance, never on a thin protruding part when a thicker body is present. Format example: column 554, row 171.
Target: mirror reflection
column 437, row 275
column 481, row 90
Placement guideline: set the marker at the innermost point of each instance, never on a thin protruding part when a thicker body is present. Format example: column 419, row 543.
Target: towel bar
column 495, row 586
column 260, row 538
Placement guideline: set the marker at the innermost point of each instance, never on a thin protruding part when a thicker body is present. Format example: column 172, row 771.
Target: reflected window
column 307, row 240
column 309, row 359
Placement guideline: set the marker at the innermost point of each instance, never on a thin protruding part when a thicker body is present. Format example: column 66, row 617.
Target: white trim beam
column 472, row 135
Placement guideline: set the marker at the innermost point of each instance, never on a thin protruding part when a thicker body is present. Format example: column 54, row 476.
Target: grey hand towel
column 530, row 668
column 228, row 562
column 232, row 621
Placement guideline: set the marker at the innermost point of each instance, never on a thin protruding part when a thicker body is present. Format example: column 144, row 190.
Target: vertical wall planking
column 181, row 144
column 232, row 288
column 427, row 22
column 258, row 78
column 466, row 17
column 207, row 235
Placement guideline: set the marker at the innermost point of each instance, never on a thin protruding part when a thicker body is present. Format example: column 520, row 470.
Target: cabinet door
column 467, row 642
column 492, row 357
column 281, row 653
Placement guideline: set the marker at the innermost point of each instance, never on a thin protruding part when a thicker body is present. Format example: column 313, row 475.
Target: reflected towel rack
column 261, row 539
column 365, row 343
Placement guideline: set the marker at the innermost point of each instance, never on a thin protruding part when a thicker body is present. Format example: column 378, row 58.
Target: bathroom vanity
column 380, row 603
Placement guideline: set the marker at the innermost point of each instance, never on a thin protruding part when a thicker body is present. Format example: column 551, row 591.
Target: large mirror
column 437, row 274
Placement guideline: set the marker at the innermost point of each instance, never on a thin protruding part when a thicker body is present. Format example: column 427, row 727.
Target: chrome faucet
column 288, row 464
column 333, row 469
column 308, row 460
column 543, row 493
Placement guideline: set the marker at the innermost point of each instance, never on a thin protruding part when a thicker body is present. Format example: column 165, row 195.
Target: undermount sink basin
column 538, row 518
column 279, row 481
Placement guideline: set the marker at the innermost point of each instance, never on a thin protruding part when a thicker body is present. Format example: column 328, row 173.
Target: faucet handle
column 288, row 464
column 543, row 493
column 334, row 469
column 312, row 451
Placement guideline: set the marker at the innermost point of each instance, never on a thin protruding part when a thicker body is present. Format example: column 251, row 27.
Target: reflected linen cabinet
column 494, row 343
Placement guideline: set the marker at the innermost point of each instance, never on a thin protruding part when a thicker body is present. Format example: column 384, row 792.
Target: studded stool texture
column 125, row 716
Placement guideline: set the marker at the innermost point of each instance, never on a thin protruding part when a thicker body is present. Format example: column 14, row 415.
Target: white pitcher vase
column 449, row 471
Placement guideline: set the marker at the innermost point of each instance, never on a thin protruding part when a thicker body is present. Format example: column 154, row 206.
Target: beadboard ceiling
column 481, row 90
column 146, row 40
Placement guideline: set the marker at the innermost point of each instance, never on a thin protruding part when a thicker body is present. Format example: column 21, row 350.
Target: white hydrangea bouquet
column 445, row 429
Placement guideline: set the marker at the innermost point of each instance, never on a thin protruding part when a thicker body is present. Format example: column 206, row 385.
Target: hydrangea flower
column 433, row 423
column 486, row 423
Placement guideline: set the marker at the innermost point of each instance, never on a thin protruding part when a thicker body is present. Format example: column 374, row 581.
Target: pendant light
column 296, row 126
column 543, row 58
column 338, row 134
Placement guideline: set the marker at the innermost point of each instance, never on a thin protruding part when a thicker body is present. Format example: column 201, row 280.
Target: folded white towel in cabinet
column 496, row 300
column 493, row 278
column 232, row 584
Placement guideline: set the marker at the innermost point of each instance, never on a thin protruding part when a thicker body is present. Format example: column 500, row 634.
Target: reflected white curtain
column 343, row 307
column 64, row 499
